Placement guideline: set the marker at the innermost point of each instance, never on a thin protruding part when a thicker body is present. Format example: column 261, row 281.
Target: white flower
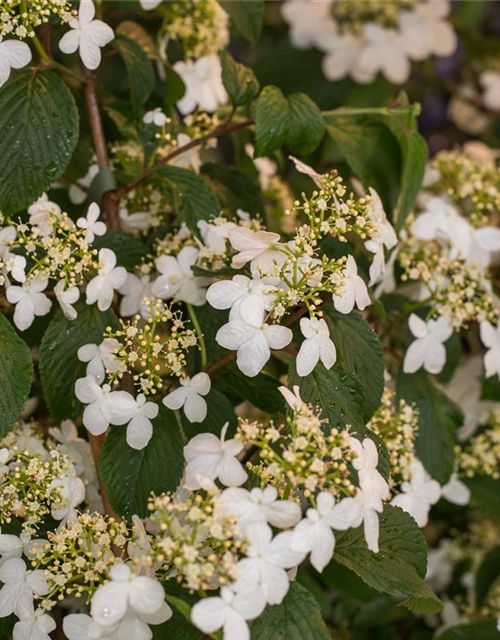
column 440, row 565
column 419, row 494
column 13, row 55
column 266, row 167
column 293, row 400
column 100, row 358
column 92, row 224
column 79, row 190
column 490, row 81
column 12, row 546
column 385, row 236
column 7, row 237
column 311, row 23
column 304, row 168
column 189, row 396
column 137, row 221
column 342, row 59
column 32, row 625
column 317, row 346
column 15, row 266
column 214, row 236
column 209, row 457
column 455, row 491
column 229, row 612
column 490, row 337
column 189, row 158
column 260, row 505
column 428, row 349
column 80, row 626
column 314, row 533
column 203, row 82
column 134, row 292
column 29, row 301
column 253, row 339
column 109, row 277
column 266, row 561
column 148, row 5
column 90, row 393
column 425, row 32
column 257, row 247
column 73, row 492
column 120, row 407
column 365, row 463
column 41, row 212
column 156, row 117
column 353, row 290
column 241, row 294
column 19, row 585
column 87, row 35
column 126, row 592
column 67, row 298
column 177, row 279
column 383, row 50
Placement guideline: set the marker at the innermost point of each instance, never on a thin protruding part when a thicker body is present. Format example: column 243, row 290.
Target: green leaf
column 39, row 125
column 298, row 617
column 306, row 126
column 384, row 150
column 484, row 630
column 130, row 476
column 271, row 121
column 239, row 81
column 487, row 575
column 233, row 187
column 247, row 17
column 358, row 350
column 179, row 625
column 138, row 34
column 485, row 494
column 220, row 411
column 16, row 369
column 439, row 418
column 400, row 566
column 261, row 391
column 190, row 195
column 129, row 249
column 59, row 364
column 140, row 70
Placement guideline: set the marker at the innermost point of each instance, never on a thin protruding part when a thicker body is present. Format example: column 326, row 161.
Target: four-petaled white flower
column 178, row 280
column 90, row 393
column 419, row 494
column 229, row 612
column 317, row 346
column 120, row 408
column 135, row 291
column 29, row 301
column 13, row 55
column 156, row 117
column 32, row 625
column 314, row 533
column 203, row 82
column 19, row 585
column 260, row 248
column 242, row 294
column 100, row 357
column 67, row 298
column 215, row 236
column 490, row 337
column 384, row 51
column 109, row 277
column 425, row 31
column 87, row 35
column 127, row 592
column 73, row 492
column 353, row 290
column 260, row 505
column 92, row 223
column 16, row 266
column 207, row 456
column 41, row 212
column 189, row 397
column 267, row 560
column 253, row 339
column 428, row 349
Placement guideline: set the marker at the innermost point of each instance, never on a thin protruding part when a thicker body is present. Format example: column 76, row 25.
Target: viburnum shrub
column 250, row 327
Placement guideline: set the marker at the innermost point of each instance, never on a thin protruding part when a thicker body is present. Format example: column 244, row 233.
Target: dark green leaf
column 400, row 565
column 59, row 364
column 141, row 75
column 305, row 124
column 261, row 391
column 39, row 125
column 190, row 195
column 271, row 121
column 484, row 630
column 487, row 575
column 485, row 494
column 16, row 369
column 491, row 388
column 247, row 17
column 220, row 411
column 298, row 617
column 234, row 188
column 131, row 475
column 359, row 350
column 129, row 249
column 239, row 81
column 439, row 418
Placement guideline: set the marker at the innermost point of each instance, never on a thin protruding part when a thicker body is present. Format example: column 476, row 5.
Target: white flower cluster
column 366, row 37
